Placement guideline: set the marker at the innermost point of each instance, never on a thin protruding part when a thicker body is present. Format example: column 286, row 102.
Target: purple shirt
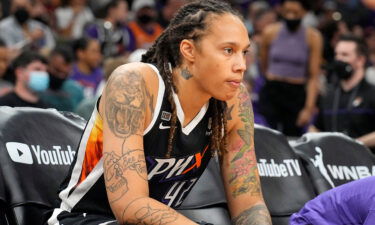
column 351, row 203
column 115, row 40
column 289, row 54
column 89, row 82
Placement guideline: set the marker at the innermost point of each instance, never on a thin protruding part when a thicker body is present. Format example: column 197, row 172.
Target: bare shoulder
column 137, row 68
column 271, row 31
column 239, row 108
column 133, row 84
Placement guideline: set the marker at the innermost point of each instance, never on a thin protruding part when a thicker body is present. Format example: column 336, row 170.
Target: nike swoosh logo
column 162, row 127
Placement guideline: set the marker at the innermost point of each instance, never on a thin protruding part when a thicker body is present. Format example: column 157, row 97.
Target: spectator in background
column 348, row 106
column 72, row 17
column 31, row 78
column 370, row 71
column 50, row 8
column 86, row 107
column 63, row 94
column 145, row 27
column 5, row 86
column 252, row 12
column 40, row 13
column 290, row 60
column 87, row 70
column 112, row 31
column 262, row 19
column 168, row 10
column 19, row 31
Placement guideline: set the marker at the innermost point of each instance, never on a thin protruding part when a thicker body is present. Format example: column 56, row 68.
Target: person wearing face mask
column 31, row 78
column 145, row 27
column 63, row 93
column 290, row 57
column 71, row 18
column 112, row 31
column 348, row 104
column 19, row 30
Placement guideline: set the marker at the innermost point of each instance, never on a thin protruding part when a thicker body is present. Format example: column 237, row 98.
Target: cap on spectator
column 139, row 4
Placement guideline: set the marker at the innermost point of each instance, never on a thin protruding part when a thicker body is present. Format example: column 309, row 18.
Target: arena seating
column 285, row 183
column 333, row 159
column 37, row 147
column 3, row 208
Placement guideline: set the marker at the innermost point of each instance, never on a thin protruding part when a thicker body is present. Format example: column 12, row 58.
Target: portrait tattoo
column 186, row 74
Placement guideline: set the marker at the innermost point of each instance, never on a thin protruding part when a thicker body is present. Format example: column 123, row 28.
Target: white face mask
column 38, row 81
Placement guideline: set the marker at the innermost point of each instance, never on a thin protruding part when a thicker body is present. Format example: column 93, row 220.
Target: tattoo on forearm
column 257, row 215
column 243, row 176
column 114, row 168
column 126, row 103
column 185, row 73
column 150, row 215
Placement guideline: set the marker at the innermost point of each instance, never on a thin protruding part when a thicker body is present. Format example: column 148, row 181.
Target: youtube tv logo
column 19, row 152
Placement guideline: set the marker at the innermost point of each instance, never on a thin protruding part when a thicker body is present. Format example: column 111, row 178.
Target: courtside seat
column 3, row 203
column 285, row 183
column 37, row 147
column 334, row 159
column 206, row 201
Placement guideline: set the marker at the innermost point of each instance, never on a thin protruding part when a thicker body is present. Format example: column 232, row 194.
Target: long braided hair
column 190, row 22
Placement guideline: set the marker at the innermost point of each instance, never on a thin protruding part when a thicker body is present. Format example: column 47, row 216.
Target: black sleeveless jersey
column 170, row 179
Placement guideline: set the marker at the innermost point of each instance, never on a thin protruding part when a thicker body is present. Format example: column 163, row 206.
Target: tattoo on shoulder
column 257, row 215
column 243, row 176
column 115, row 166
column 185, row 73
column 126, row 96
column 148, row 214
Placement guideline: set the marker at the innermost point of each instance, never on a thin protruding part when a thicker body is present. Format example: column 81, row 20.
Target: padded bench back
column 334, row 158
column 285, row 183
column 37, row 147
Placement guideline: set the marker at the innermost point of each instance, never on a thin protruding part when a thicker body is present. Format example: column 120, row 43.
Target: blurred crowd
column 59, row 53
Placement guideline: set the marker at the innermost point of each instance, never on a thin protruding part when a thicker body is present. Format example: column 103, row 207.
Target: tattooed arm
column 125, row 107
column 239, row 166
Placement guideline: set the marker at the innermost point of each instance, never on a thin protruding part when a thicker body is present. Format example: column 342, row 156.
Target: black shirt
column 13, row 100
column 351, row 112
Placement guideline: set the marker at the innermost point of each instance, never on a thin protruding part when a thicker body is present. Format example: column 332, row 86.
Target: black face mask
column 292, row 25
column 21, row 15
column 343, row 70
column 55, row 83
column 145, row 19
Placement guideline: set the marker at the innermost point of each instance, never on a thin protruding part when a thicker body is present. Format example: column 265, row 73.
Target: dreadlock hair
column 190, row 22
